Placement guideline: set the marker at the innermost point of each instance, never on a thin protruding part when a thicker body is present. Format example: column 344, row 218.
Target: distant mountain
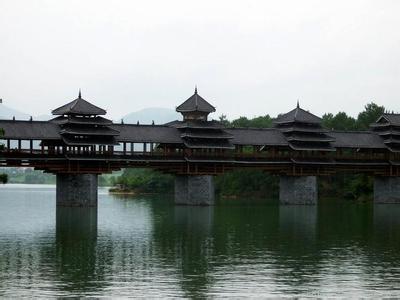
column 8, row 113
column 148, row 115
column 145, row 116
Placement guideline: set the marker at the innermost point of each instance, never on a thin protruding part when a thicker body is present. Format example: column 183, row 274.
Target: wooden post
column 8, row 145
column 19, row 145
column 124, row 146
column 30, row 146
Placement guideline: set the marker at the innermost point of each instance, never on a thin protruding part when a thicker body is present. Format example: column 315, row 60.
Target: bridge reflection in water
column 149, row 247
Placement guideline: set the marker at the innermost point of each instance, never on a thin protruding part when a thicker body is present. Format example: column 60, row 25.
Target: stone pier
column 194, row 190
column 301, row 190
column 77, row 190
column 386, row 189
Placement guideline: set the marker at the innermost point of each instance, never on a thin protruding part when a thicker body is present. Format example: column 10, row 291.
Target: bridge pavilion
column 79, row 143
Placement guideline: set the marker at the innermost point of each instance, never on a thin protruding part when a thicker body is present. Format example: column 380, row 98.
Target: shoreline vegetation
column 235, row 184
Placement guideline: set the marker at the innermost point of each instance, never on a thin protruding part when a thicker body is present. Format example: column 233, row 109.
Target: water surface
column 147, row 247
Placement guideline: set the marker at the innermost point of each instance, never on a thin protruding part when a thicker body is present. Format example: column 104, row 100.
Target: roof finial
column 298, row 104
column 195, row 89
column 80, row 95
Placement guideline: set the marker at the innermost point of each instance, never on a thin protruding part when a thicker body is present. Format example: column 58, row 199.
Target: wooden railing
column 231, row 154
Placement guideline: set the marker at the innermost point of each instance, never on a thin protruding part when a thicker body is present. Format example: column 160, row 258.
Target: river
column 147, row 247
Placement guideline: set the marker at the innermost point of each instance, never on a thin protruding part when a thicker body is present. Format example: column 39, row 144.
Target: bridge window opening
column 25, row 145
column 13, row 144
column 119, row 147
column 36, row 145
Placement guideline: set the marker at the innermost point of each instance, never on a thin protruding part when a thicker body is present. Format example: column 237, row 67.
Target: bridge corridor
column 78, row 144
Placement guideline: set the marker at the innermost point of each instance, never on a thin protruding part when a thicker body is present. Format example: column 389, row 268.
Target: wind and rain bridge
column 79, row 143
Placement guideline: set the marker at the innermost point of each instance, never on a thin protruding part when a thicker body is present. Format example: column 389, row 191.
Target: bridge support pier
column 76, row 190
column 194, row 190
column 301, row 190
column 386, row 189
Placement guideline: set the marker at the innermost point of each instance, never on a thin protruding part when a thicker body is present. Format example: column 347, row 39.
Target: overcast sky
column 247, row 57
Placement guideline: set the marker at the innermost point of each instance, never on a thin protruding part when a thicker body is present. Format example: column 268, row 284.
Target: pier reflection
column 75, row 248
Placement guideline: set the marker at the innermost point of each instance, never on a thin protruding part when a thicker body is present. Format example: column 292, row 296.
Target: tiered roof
column 196, row 131
column 195, row 103
column 304, row 131
column 80, row 107
column 81, row 125
column 388, row 128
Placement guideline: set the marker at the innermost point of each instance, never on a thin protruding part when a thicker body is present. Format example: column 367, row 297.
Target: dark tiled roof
column 89, row 141
column 196, row 124
column 89, row 131
column 393, row 119
column 147, row 133
column 195, row 103
column 257, row 136
column 354, row 139
column 298, row 115
column 164, row 134
column 206, row 134
column 208, row 144
column 310, row 138
column 81, row 120
column 311, row 147
column 299, row 128
column 79, row 107
column 29, row 130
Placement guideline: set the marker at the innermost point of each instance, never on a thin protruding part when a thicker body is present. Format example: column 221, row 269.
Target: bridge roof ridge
column 79, row 106
column 298, row 115
column 195, row 103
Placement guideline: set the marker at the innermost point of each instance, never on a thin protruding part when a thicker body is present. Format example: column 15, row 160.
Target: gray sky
column 247, row 57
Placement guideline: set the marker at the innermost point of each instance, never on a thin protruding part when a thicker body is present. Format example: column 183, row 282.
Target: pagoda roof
column 298, row 115
column 310, row 138
column 100, row 131
column 195, row 103
column 196, row 124
column 393, row 119
column 95, row 140
column 206, row 134
column 298, row 128
column 392, row 140
column 79, row 106
column 81, row 120
column 311, row 147
column 207, row 144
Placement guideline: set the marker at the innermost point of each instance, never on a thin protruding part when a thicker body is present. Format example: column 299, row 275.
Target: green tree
column 257, row 122
column 222, row 118
column 341, row 121
column 370, row 114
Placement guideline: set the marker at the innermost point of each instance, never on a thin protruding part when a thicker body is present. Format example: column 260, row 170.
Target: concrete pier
column 194, row 190
column 77, row 190
column 386, row 189
column 301, row 190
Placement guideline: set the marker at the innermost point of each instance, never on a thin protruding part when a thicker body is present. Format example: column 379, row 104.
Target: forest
column 258, row 183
